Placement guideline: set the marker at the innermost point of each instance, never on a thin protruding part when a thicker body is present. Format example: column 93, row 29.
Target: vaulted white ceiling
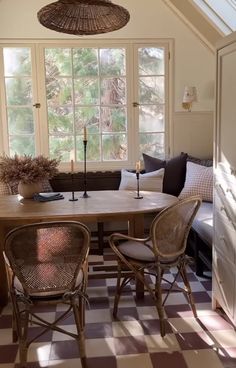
column 222, row 13
column 209, row 19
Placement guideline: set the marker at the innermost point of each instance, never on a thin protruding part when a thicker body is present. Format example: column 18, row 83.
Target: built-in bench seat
column 201, row 237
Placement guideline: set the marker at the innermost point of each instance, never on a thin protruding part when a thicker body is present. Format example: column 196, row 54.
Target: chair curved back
column 170, row 228
column 47, row 256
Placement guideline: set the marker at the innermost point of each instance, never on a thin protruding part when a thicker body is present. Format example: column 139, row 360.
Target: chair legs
column 158, row 300
column 156, row 293
column 79, row 321
column 119, row 287
column 20, row 330
column 20, row 323
column 183, row 274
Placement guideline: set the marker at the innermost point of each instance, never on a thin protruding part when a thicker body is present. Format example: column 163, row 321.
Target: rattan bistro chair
column 163, row 249
column 47, row 263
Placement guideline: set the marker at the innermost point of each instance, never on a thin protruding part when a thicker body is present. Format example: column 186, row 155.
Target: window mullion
column 135, row 110
column 42, row 123
column 36, row 77
column 73, row 103
column 4, row 140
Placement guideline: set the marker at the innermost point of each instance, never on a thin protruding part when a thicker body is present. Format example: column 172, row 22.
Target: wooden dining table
column 100, row 206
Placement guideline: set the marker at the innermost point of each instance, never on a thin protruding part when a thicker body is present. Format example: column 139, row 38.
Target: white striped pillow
column 151, row 181
column 199, row 181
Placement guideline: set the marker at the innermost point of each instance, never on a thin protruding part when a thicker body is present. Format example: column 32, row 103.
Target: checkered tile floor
column 133, row 340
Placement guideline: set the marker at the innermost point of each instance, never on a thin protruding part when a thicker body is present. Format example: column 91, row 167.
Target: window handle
column 135, row 104
column 37, row 105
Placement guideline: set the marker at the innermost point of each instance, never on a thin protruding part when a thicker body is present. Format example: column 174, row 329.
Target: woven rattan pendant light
column 83, row 17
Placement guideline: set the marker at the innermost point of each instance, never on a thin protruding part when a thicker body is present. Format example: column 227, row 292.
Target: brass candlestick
column 85, row 195
column 73, row 199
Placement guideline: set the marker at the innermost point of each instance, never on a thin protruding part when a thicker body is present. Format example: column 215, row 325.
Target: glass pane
column 59, row 91
column 151, row 90
column 151, row 61
column 152, row 144
column 20, row 120
column 61, row 147
column 86, row 91
column 112, row 61
column 60, row 120
column 85, row 62
column 93, row 148
column 18, row 91
column 88, row 116
column 114, row 147
column 113, row 119
column 113, row 91
column 58, row 62
column 151, row 118
column 17, row 61
column 22, row 145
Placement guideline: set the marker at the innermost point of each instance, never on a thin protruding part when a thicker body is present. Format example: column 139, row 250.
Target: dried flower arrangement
column 27, row 169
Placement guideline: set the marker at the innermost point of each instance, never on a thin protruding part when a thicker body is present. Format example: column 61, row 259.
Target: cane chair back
column 163, row 249
column 47, row 263
column 169, row 230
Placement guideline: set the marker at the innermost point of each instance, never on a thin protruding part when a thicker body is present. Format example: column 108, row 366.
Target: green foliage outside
column 86, row 87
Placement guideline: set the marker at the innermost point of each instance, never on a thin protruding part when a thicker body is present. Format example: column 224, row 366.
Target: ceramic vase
column 28, row 190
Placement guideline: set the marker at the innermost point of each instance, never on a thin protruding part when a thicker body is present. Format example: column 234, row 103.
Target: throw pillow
column 175, row 171
column 4, row 189
column 199, row 181
column 150, row 181
column 200, row 161
column 152, row 163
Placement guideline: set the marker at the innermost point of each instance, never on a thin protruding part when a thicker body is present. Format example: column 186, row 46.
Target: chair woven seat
column 50, row 277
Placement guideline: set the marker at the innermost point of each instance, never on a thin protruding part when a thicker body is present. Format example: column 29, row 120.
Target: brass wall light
column 190, row 96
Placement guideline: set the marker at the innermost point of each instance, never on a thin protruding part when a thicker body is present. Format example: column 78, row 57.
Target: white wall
column 194, row 63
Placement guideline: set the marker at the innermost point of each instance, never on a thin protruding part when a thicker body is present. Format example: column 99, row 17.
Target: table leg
column 3, row 276
column 136, row 229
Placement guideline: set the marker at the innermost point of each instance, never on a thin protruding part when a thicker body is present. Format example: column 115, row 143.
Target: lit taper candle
column 137, row 167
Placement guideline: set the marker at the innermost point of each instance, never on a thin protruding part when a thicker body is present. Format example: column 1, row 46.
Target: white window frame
column 38, row 73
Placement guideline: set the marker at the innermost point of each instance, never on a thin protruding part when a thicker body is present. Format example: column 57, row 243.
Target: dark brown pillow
column 152, row 163
column 175, row 171
column 200, row 161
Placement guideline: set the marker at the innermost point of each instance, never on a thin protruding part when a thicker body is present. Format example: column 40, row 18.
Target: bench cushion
column 203, row 222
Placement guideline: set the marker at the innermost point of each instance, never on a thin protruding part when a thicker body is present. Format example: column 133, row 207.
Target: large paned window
column 19, row 100
column 118, row 91
column 151, row 97
column 87, row 87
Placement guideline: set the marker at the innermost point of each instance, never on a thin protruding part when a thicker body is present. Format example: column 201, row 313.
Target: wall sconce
column 190, row 96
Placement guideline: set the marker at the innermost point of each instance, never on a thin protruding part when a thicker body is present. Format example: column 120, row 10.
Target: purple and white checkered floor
column 133, row 340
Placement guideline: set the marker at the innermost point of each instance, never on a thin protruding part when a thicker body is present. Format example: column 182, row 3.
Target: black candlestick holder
column 73, row 199
column 85, row 195
column 138, row 196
